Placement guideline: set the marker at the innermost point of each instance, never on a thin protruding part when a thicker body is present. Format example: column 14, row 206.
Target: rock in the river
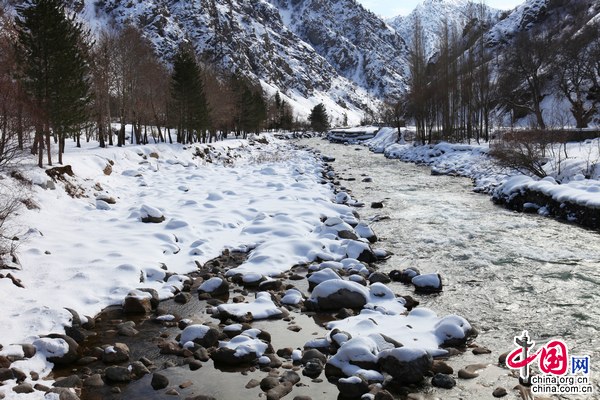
column 94, row 381
column 68, row 382
column 441, row 367
column 405, row 365
column 428, row 283
column 280, row 390
column 404, row 276
column 182, row 298
column 379, row 277
column 159, row 381
column 443, row 381
column 203, row 335
column 116, row 354
column 499, row 392
column 353, row 387
column 337, row 294
column 137, row 302
column 377, row 204
column 6, row 374
column 118, row 374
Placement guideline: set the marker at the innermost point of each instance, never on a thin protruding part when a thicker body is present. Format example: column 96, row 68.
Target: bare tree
column 524, row 73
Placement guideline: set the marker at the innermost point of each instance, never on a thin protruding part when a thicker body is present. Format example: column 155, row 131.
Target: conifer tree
column 319, row 121
column 52, row 54
column 187, row 88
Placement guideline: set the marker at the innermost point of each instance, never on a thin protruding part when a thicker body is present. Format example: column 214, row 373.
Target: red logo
column 553, row 358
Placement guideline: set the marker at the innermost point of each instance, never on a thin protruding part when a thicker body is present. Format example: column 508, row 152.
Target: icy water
column 505, row 272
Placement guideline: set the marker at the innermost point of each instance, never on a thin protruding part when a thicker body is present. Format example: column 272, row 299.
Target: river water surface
column 503, row 271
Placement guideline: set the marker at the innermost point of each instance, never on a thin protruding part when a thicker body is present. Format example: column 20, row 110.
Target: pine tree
column 52, row 55
column 319, row 121
column 187, row 88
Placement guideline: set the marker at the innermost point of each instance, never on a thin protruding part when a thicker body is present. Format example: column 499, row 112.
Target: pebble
column 481, row 350
column 186, row 384
column 159, row 381
column 499, row 392
column 172, row 392
column 464, row 374
column 252, row 384
column 443, row 381
column 442, row 367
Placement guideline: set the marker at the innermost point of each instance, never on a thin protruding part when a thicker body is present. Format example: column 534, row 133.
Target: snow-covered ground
column 88, row 252
column 569, row 166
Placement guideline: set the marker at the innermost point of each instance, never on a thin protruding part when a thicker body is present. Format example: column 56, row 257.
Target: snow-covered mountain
column 331, row 51
column 434, row 13
column 310, row 50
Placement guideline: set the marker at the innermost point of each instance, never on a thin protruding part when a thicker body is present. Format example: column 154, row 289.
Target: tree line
column 58, row 82
column 455, row 94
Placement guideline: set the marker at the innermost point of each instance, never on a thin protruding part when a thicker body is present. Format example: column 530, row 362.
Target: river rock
column 405, row 365
column 94, row 381
column 182, row 297
column 280, row 390
column 441, row 367
column 118, row 374
column 481, row 350
column 63, row 393
column 353, row 387
column 228, row 356
column 383, row 395
column 116, row 354
column 137, row 302
column 214, row 286
column 155, row 299
column 62, row 352
column 68, row 382
column 377, row 204
column 443, row 381
column 269, row 383
column 127, row 329
column 200, row 397
column 379, row 277
column 159, row 381
column 499, row 392
column 138, row 369
column 428, row 283
column 202, row 335
column 337, row 294
column 6, row 374
column 313, row 368
column 404, row 276
column 23, row 388
column 465, row 374
column 4, row 361
column 311, row 354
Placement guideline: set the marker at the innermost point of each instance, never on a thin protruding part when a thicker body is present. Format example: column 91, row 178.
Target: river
column 503, row 271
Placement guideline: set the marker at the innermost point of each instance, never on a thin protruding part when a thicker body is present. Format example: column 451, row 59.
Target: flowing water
column 504, row 271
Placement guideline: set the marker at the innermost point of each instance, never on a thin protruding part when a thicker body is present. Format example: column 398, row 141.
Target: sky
column 392, row 8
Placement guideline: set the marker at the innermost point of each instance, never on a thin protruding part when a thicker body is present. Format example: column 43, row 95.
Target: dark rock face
column 403, row 366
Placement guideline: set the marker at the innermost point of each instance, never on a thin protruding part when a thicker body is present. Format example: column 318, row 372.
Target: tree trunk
column 48, row 146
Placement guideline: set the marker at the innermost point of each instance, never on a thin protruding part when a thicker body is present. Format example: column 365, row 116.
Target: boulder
column 116, row 354
column 118, row 374
column 353, row 387
column 137, row 302
column 404, row 276
column 443, row 381
column 379, row 277
column 428, row 283
column 58, row 349
column 159, row 381
column 215, row 286
column 338, row 294
column 405, row 365
column 149, row 214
